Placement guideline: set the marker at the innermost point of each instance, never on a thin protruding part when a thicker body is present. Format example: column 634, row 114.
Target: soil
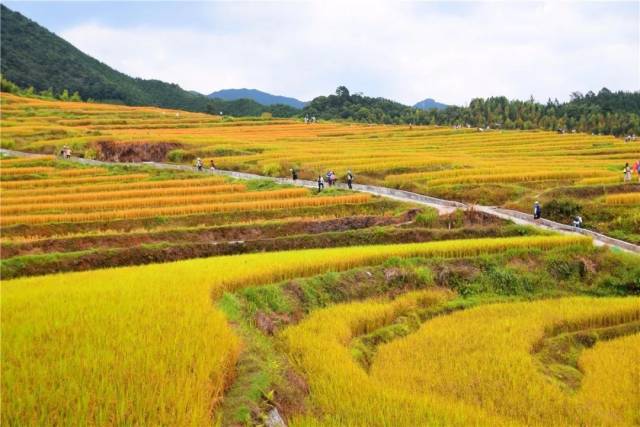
column 113, row 151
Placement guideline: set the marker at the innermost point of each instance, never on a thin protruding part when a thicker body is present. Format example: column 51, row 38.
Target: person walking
column 349, row 180
column 320, row 183
column 294, row 174
column 537, row 210
column 333, row 178
column 637, row 168
column 577, row 221
column 199, row 164
column 213, row 166
column 627, row 172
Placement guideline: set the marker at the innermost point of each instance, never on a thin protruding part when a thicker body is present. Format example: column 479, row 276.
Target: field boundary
column 442, row 205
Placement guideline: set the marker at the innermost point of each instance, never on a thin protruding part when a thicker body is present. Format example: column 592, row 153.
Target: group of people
column 65, row 153
column 628, row 171
column 200, row 165
column 331, row 179
column 308, row 119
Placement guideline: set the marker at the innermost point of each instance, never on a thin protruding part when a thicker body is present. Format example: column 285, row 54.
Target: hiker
column 333, row 178
column 199, row 164
column 636, row 167
column 294, row 174
column 67, row 152
column 213, row 166
column 320, row 183
column 306, row 120
column 537, row 210
column 349, row 179
column 329, row 178
column 627, row 172
column 577, row 221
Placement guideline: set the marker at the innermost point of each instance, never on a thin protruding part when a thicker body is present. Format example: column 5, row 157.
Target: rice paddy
column 139, row 296
column 509, row 168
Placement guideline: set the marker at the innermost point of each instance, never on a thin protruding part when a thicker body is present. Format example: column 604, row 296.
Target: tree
column 76, row 97
column 342, row 92
column 64, row 96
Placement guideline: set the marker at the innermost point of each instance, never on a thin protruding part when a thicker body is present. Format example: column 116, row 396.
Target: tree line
column 607, row 112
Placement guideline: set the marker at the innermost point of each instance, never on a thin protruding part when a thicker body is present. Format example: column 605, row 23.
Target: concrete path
column 443, row 206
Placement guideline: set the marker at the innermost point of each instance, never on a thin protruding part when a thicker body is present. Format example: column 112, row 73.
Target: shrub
column 561, row 210
column 271, row 169
column 90, row 153
column 427, row 218
column 176, row 156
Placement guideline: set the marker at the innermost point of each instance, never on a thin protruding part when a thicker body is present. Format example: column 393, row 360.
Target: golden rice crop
column 129, row 335
column 482, row 357
column 123, row 194
column 600, row 180
column 623, row 199
column 611, row 384
column 69, row 181
column 344, row 393
column 183, row 209
column 27, row 171
column 161, row 201
column 24, row 160
column 458, row 368
column 519, row 177
column 62, row 188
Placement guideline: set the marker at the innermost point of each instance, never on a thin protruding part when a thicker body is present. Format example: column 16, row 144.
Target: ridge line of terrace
column 442, row 205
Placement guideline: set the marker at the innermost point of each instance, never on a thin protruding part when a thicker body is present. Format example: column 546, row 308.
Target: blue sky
column 450, row 51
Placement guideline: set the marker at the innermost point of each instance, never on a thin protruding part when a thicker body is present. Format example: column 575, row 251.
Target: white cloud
column 403, row 51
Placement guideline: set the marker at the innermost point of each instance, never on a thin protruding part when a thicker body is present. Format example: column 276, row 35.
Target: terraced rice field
column 138, row 296
column 470, row 367
column 569, row 173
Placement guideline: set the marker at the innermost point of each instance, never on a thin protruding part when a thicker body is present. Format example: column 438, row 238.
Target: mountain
column 429, row 103
column 33, row 56
column 256, row 95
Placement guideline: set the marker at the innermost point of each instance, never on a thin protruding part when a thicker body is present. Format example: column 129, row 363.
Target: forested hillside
column 34, row 57
column 606, row 112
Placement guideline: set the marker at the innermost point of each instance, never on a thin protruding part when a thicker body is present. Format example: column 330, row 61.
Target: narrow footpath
column 443, row 206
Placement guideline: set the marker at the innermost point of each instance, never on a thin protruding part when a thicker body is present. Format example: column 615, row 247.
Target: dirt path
column 443, row 206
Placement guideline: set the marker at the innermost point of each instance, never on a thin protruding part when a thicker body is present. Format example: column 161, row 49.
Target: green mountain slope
column 34, row 56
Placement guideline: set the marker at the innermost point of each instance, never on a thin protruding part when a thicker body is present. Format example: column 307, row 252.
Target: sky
column 405, row 51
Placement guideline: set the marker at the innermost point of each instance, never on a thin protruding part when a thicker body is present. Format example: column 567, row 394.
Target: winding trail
column 443, row 206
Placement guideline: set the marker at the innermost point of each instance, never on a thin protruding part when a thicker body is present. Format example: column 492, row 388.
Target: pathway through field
column 443, row 206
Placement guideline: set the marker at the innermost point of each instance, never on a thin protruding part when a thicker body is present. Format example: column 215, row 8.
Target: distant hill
column 429, row 103
column 256, row 95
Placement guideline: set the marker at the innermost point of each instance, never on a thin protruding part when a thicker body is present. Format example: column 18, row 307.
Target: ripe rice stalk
column 182, row 210
column 11, row 185
column 623, row 199
column 124, row 194
column 124, row 203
